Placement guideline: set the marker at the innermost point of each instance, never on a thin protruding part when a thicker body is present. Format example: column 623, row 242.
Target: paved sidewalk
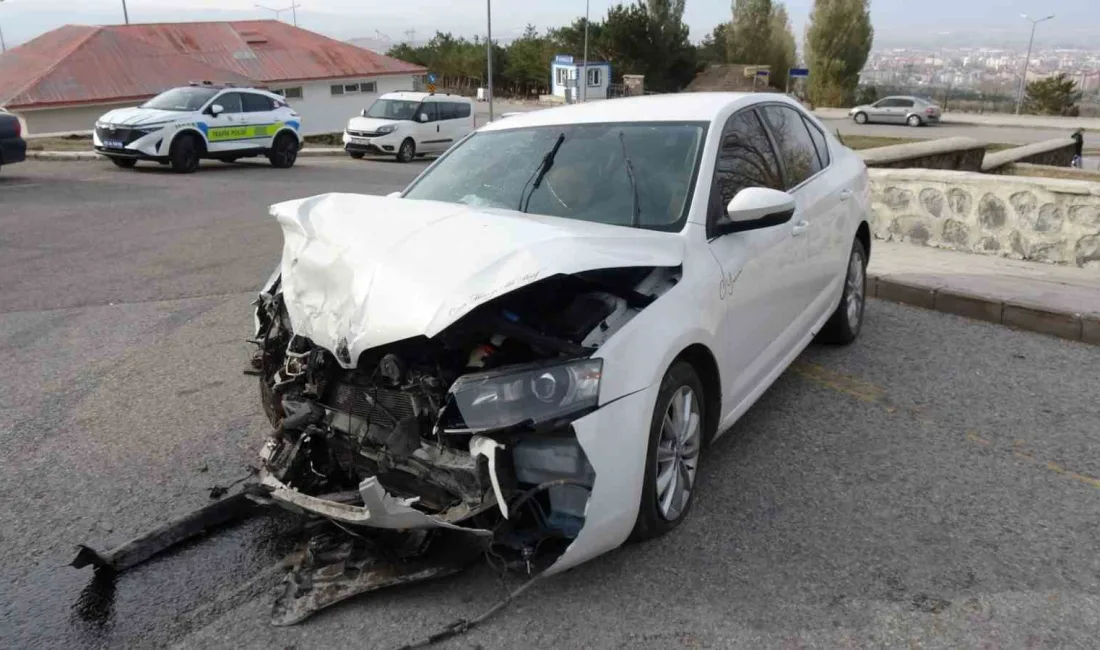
column 1059, row 300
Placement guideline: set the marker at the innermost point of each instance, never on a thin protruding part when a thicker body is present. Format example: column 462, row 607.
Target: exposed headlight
column 388, row 128
column 533, row 393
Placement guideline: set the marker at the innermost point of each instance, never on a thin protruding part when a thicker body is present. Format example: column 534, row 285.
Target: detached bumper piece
column 334, row 567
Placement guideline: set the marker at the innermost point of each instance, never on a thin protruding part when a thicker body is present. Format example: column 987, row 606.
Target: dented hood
column 361, row 271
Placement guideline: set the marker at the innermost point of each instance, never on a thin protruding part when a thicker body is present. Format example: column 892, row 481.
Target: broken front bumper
column 379, row 510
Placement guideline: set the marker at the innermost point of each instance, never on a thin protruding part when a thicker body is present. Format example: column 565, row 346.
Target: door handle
column 845, row 195
column 799, row 228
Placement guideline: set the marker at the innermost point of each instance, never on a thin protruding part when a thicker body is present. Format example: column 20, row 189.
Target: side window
column 796, row 148
column 462, row 110
column 745, row 159
column 903, row 103
column 230, row 102
column 820, row 143
column 432, row 109
column 253, row 103
column 446, row 110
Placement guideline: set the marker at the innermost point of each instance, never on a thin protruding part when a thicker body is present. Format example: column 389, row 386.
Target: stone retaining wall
column 1042, row 219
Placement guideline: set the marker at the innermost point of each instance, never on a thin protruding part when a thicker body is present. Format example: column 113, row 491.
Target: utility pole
column 3, row 45
column 489, row 54
column 584, row 65
column 1027, row 59
column 125, row 14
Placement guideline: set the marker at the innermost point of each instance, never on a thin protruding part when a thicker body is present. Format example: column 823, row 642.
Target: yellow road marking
column 872, row 394
column 857, row 388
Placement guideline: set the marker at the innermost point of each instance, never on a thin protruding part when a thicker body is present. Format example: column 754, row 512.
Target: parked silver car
column 913, row 111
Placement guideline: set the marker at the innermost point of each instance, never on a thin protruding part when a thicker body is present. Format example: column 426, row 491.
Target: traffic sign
column 431, row 87
column 799, row 73
column 763, row 73
column 431, row 77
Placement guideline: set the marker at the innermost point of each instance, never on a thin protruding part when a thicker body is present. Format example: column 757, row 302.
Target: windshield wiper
column 540, row 173
column 635, row 209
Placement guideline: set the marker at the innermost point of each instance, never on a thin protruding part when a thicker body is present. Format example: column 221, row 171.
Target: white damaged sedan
column 534, row 343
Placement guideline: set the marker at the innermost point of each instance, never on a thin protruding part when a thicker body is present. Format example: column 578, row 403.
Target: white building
column 565, row 73
column 63, row 80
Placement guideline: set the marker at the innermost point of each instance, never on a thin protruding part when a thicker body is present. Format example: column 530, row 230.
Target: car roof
column 679, row 107
column 420, row 97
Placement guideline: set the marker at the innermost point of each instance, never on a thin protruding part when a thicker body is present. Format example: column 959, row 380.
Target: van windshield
column 393, row 109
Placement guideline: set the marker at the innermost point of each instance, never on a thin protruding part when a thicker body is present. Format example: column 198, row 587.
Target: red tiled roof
column 77, row 64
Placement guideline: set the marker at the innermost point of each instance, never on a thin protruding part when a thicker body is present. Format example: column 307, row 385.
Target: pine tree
column 838, row 41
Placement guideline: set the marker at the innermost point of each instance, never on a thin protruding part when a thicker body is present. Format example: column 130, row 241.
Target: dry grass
column 1049, row 171
column 63, row 143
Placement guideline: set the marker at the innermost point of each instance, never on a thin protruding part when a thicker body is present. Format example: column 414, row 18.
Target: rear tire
column 358, row 155
column 860, row 118
column 284, row 151
column 914, row 120
column 124, row 163
column 675, row 448
column 184, row 155
column 407, row 151
column 844, row 325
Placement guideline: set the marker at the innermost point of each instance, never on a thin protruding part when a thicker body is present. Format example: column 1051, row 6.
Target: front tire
column 844, row 325
column 358, row 155
column 676, row 435
column 184, row 155
column 407, row 151
column 284, row 151
column 860, row 118
column 124, row 163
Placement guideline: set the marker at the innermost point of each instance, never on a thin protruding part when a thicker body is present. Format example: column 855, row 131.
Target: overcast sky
column 22, row 20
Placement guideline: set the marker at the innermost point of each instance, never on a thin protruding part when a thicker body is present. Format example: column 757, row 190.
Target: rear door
column 759, row 266
column 259, row 115
column 903, row 110
column 823, row 196
column 463, row 123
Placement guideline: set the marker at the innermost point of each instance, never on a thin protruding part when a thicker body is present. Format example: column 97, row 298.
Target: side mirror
column 363, row 113
column 757, row 207
column 216, row 109
column 423, row 117
column 393, row 195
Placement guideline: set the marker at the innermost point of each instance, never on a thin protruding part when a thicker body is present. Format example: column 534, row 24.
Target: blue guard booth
column 565, row 76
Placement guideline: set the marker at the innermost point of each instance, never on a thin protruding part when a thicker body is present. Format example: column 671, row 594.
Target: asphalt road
column 935, row 485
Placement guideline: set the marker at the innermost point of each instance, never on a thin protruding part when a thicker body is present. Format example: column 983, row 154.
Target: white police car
column 204, row 120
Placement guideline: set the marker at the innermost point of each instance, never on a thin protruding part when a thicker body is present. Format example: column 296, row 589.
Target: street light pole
column 584, row 65
column 125, row 14
column 489, row 54
column 1027, row 59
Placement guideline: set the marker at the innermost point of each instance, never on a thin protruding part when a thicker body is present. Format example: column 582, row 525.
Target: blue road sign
column 763, row 73
column 431, row 77
column 799, row 72
column 563, row 58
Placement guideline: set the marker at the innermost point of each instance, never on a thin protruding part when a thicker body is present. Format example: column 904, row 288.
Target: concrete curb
column 1019, row 315
column 308, row 152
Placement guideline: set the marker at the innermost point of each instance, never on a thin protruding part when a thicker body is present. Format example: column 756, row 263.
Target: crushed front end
column 466, row 433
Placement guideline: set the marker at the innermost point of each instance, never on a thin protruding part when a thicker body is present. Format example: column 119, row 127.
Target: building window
column 562, row 76
column 290, row 93
column 360, row 87
column 595, row 77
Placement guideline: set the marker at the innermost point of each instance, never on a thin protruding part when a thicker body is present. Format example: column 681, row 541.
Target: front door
column 432, row 138
column 259, row 117
column 226, row 131
column 759, row 283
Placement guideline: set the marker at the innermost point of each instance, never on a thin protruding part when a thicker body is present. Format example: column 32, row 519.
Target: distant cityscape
column 985, row 70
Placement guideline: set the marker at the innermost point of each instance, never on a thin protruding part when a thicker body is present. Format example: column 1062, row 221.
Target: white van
column 408, row 124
